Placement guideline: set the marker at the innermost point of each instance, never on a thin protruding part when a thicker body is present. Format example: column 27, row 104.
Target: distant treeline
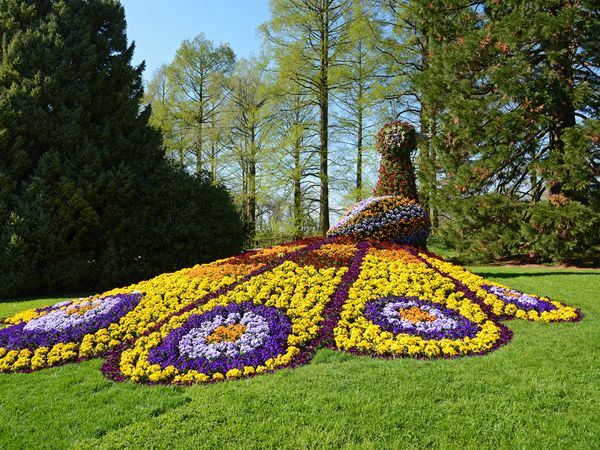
column 506, row 94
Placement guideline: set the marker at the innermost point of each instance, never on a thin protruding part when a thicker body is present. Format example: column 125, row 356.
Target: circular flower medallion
column 67, row 321
column 225, row 338
column 424, row 318
column 522, row 301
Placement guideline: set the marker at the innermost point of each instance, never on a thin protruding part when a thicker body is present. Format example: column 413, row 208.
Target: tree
column 297, row 157
column 525, row 72
column 197, row 75
column 308, row 37
column 250, row 122
column 360, row 71
column 160, row 94
column 519, row 84
column 87, row 199
column 404, row 45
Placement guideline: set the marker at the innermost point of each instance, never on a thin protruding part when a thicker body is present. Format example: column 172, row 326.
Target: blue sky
column 159, row 26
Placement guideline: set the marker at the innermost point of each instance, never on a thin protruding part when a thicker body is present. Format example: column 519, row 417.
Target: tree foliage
column 251, row 116
column 511, row 90
column 87, row 199
column 309, row 37
column 188, row 94
column 504, row 94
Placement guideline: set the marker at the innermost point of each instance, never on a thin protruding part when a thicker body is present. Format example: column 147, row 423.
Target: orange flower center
column 226, row 333
column 415, row 314
column 79, row 309
column 511, row 294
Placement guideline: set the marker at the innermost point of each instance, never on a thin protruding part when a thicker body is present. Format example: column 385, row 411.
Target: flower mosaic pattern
column 225, row 338
column 274, row 308
column 523, row 301
column 67, row 321
column 398, row 306
column 159, row 299
column 411, row 315
column 298, row 294
column 501, row 301
column 352, row 213
column 395, row 141
column 368, row 287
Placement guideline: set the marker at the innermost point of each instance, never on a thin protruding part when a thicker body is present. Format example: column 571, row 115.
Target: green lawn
column 539, row 391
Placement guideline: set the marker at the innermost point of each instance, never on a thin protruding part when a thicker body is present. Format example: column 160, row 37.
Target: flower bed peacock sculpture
column 369, row 287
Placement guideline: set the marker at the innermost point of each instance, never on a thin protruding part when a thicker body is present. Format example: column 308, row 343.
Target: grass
column 539, row 391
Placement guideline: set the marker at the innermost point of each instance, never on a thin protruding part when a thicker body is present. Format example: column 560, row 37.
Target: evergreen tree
column 86, row 197
column 515, row 91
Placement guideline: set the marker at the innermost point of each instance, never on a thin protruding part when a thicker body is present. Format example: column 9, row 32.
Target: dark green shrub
column 562, row 231
column 493, row 227
column 66, row 238
column 483, row 228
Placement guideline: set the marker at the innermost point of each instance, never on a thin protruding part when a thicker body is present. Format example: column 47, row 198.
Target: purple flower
column 389, row 218
column 195, row 343
column 356, row 210
column 522, row 301
column 67, row 321
column 265, row 333
column 443, row 323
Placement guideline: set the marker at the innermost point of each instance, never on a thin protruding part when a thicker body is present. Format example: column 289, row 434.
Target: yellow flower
column 233, row 373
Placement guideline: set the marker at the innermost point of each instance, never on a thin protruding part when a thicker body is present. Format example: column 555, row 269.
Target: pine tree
column 518, row 84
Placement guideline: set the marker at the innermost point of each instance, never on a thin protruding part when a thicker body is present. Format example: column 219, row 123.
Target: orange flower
column 229, row 333
column 414, row 314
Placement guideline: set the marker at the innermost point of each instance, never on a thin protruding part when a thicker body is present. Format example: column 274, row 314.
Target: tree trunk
column 324, row 119
column 244, row 166
column 252, row 185
column 563, row 109
column 297, row 189
column 199, row 132
column 359, row 143
column 564, row 118
column 198, row 149
column 213, row 162
column 433, row 211
column 429, row 125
